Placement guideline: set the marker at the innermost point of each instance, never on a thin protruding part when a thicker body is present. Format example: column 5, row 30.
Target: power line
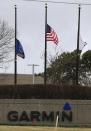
column 58, row 2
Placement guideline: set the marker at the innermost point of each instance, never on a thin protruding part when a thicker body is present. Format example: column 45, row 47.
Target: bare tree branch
column 6, row 42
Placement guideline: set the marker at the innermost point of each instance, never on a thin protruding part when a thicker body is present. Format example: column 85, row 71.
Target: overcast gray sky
column 31, row 29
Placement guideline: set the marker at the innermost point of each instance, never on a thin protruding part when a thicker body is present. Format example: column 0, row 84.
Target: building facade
column 8, row 79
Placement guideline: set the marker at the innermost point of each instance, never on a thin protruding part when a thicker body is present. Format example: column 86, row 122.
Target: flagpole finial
column 79, row 5
column 45, row 4
column 15, row 6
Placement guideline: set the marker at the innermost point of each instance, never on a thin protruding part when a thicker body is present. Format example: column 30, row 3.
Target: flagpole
column 77, row 61
column 45, row 62
column 15, row 67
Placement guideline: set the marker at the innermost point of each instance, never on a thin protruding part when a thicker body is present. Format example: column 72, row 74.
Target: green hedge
column 40, row 92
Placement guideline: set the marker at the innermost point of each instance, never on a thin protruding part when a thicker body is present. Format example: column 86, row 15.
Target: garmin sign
column 45, row 112
column 43, row 116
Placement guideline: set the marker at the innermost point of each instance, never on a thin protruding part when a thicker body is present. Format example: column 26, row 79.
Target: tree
column 86, row 65
column 6, row 43
column 86, row 60
column 62, row 70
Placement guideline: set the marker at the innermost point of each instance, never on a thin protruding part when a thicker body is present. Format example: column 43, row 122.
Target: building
column 8, row 79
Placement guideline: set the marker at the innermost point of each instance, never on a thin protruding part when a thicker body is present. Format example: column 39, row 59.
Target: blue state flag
column 19, row 49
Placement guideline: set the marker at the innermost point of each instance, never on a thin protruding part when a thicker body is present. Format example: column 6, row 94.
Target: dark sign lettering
column 36, row 116
column 13, row 116
column 47, row 116
column 67, row 115
column 24, row 116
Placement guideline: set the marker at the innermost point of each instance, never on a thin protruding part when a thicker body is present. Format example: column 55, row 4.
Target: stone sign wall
column 45, row 112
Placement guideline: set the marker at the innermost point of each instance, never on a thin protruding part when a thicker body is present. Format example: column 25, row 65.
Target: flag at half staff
column 19, row 49
column 51, row 35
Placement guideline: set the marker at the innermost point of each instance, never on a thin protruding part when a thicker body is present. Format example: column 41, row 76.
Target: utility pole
column 33, row 73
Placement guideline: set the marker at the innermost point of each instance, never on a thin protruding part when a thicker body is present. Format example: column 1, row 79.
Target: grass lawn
column 36, row 128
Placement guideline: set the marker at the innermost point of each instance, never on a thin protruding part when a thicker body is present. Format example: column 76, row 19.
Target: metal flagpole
column 77, row 60
column 15, row 66
column 45, row 62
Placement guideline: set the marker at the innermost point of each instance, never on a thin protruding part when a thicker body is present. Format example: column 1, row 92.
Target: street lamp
column 33, row 74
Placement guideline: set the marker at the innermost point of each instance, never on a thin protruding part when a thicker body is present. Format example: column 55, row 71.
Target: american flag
column 51, row 35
